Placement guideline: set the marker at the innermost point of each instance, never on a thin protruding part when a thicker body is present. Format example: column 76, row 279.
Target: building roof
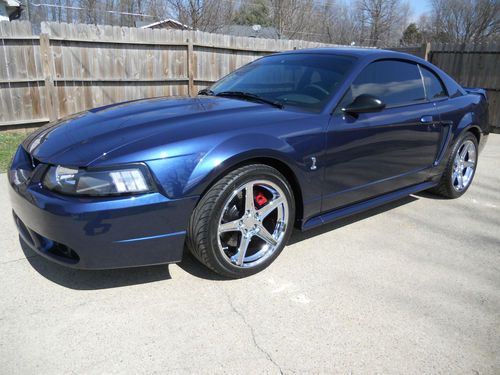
column 11, row 3
column 165, row 21
column 11, row 10
column 249, row 31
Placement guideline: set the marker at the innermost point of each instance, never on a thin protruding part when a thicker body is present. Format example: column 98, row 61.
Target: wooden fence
column 420, row 51
column 69, row 68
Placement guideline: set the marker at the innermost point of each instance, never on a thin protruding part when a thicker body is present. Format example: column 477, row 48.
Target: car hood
column 85, row 137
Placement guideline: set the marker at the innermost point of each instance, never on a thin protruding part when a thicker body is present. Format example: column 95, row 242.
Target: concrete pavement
column 410, row 288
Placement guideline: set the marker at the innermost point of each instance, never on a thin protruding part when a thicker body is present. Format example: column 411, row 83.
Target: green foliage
column 411, row 35
column 254, row 13
column 8, row 145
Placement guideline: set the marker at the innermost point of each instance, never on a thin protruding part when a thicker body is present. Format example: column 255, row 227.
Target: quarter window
column 394, row 82
column 433, row 86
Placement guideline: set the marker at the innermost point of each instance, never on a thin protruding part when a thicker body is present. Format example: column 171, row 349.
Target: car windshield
column 306, row 81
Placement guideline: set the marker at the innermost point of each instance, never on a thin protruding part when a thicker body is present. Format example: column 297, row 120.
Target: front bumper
column 101, row 233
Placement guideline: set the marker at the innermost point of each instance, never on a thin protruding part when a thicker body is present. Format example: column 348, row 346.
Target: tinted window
column 433, row 86
column 302, row 80
column 394, row 82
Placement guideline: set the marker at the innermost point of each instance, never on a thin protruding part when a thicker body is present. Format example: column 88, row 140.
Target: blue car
column 295, row 139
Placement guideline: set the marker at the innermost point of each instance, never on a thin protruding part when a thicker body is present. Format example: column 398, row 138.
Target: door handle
column 427, row 119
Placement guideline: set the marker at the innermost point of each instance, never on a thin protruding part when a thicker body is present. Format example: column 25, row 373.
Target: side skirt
column 340, row 213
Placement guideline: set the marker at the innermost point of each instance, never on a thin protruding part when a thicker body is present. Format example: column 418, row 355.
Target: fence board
column 21, row 82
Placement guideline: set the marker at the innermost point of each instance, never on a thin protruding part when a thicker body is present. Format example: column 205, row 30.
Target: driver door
column 370, row 154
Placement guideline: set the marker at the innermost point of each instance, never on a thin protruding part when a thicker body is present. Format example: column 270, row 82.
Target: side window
column 433, row 86
column 394, row 82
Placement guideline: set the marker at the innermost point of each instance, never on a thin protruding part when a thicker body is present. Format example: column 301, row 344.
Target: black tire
column 445, row 187
column 202, row 235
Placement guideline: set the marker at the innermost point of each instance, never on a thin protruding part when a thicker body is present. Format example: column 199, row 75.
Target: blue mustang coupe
column 293, row 139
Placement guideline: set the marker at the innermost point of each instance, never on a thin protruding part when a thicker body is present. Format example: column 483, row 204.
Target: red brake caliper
column 260, row 199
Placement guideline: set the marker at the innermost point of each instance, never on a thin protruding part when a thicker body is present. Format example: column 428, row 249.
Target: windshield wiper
column 250, row 96
column 206, row 92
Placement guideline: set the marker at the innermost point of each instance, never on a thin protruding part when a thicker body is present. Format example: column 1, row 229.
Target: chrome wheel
column 464, row 165
column 253, row 223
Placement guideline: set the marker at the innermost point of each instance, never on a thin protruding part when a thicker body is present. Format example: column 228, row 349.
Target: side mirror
column 364, row 103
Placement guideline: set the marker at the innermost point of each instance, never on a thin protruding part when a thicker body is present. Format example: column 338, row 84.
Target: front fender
column 191, row 174
column 233, row 152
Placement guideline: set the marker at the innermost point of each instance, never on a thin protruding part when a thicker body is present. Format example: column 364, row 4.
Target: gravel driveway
column 412, row 287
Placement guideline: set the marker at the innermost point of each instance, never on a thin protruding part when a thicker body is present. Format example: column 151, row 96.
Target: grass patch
column 8, row 145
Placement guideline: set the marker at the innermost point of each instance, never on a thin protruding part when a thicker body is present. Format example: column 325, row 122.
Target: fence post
column 426, row 51
column 190, row 67
column 47, row 64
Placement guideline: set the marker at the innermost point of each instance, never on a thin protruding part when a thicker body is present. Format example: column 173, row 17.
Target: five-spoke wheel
column 253, row 223
column 460, row 167
column 243, row 222
column 463, row 166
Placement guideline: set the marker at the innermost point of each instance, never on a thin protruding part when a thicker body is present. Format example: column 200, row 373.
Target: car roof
column 372, row 54
column 355, row 52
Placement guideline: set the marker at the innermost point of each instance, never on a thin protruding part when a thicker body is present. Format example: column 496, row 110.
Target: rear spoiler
column 476, row 91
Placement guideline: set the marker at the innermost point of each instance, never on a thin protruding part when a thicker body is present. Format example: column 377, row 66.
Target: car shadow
column 94, row 279
column 429, row 195
column 105, row 279
column 195, row 268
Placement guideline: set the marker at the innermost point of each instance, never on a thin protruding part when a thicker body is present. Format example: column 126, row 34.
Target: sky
column 419, row 7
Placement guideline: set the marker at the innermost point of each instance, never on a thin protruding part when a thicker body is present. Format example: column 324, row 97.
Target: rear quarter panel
column 462, row 113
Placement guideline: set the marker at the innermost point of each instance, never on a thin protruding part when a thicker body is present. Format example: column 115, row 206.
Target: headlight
column 74, row 181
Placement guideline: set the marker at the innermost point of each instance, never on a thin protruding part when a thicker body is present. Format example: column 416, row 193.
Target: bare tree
column 381, row 22
column 157, row 9
column 338, row 23
column 89, row 12
column 464, row 21
column 291, row 18
column 205, row 15
column 68, row 11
